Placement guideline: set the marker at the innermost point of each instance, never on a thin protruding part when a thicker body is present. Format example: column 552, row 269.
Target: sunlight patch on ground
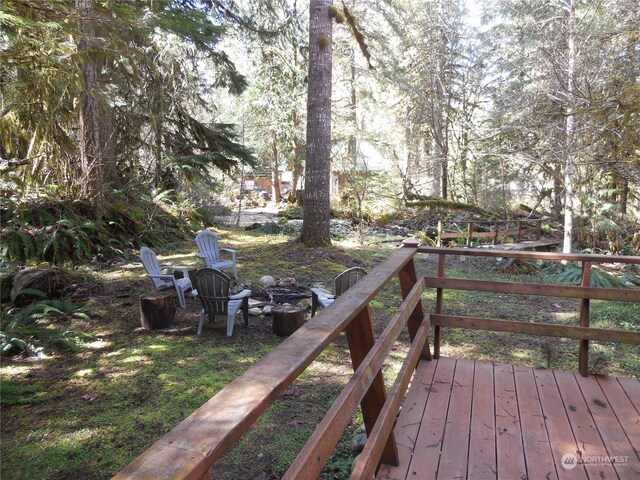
column 78, row 436
column 564, row 317
column 136, row 359
column 98, row 344
column 85, row 372
column 160, row 348
column 188, row 258
column 11, row 370
column 117, row 275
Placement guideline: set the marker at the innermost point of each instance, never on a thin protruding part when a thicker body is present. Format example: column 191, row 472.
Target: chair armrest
column 162, row 277
column 242, row 294
column 321, row 292
column 230, row 251
column 201, row 255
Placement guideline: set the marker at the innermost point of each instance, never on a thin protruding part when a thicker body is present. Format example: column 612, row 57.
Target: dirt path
column 249, row 216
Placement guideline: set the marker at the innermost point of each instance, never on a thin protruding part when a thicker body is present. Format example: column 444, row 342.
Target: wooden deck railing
column 497, row 229
column 190, row 449
column 584, row 292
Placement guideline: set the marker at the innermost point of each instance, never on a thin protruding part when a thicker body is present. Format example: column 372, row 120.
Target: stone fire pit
column 285, row 291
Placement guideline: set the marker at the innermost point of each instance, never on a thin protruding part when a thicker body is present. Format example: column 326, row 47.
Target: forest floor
column 87, row 413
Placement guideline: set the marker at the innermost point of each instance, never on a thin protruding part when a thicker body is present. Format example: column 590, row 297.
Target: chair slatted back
column 347, row 279
column 151, row 265
column 207, row 243
column 213, row 290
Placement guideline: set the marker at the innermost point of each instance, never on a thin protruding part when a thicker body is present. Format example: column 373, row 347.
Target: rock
column 363, row 428
column 267, row 309
column 267, row 281
column 255, row 303
column 255, row 311
column 358, row 442
column 286, row 282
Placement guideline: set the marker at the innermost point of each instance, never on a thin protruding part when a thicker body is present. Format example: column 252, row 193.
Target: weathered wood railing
column 190, row 449
column 500, row 228
column 584, row 292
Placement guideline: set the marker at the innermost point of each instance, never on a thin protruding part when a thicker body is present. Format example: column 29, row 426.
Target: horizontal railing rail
column 584, row 292
column 496, row 232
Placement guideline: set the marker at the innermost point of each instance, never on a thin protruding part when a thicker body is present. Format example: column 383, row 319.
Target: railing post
column 519, row 231
column 439, row 305
column 408, row 279
column 360, row 338
column 539, row 231
column 469, row 233
column 495, row 233
column 583, row 352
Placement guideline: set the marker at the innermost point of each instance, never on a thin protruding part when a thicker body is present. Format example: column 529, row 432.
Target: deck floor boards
column 464, row 419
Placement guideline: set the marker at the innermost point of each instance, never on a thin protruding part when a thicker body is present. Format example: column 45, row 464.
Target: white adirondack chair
column 209, row 250
column 213, row 291
column 322, row 298
column 162, row 281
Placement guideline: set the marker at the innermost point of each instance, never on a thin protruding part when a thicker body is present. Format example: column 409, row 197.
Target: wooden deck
column 464, row 419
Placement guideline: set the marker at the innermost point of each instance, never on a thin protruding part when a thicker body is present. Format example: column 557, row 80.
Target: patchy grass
column 86, row 413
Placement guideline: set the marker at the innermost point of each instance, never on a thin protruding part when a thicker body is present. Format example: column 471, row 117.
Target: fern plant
column 52, row 322
column 18, row 246
column 571, row 274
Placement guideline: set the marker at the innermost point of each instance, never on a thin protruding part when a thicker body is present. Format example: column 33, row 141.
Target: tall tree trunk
column 623, row 185
column 557, row 189
column 570, row 129
column 157, row 124
column 275, row 170
column 436, row 181
column 315, row 225
column 411, row 142
column 439, row 187
column 297, row 164
column 91, row 153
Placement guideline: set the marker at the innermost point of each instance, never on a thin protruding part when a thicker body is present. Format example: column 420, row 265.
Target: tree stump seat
column 287, row 319
column 157, row 309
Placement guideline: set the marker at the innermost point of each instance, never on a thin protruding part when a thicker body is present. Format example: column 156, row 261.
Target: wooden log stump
column 157, row 310
column 287, row 319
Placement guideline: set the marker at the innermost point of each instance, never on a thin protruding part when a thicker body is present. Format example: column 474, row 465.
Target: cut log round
column 287, row 319
column 157, row 310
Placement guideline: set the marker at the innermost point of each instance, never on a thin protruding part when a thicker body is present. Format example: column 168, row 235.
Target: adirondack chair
column 343, row 282
column 163, row 281
column 213, row 291
column 209, row 251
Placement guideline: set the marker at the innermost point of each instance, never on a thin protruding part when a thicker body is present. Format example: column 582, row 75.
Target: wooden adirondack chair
column 343, row 282
column 163, row 281
column 213, row 291
column 209, row 250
